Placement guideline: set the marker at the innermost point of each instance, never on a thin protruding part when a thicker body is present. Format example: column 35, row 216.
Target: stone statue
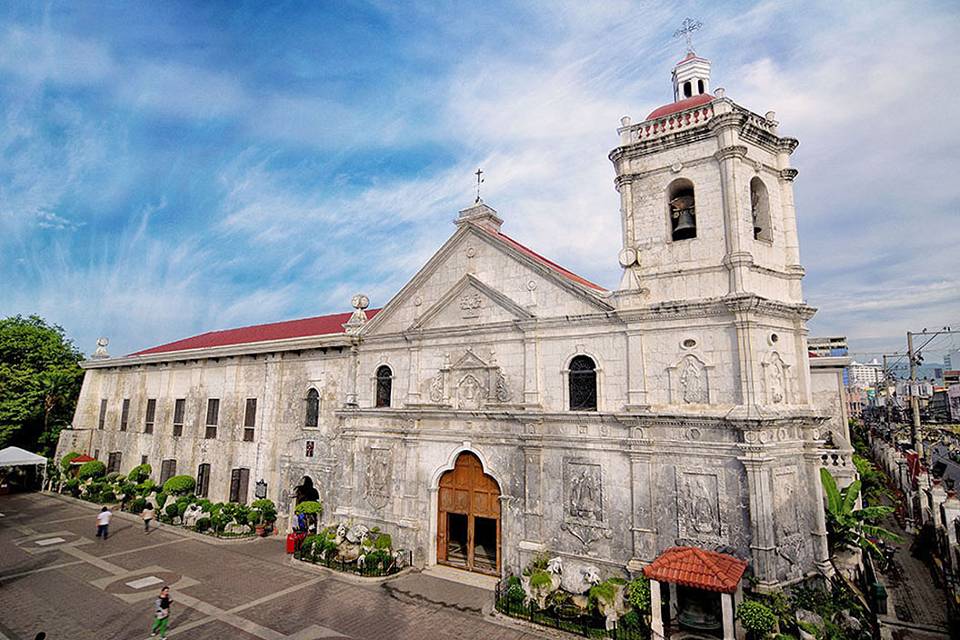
column 101, row 351
column 585, row 495
column 693, row 385
column 777, row 381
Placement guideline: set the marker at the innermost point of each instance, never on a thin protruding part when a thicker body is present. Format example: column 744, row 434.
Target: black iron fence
column 376, row 567
column 591, row 624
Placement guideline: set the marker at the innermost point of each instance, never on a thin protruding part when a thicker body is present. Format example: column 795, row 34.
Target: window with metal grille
column 102, row 420
column 250, row 420
column 583, row 384
column 313, row 409
column 113, row 461
column 168, row 469
column 213, row 417
column 239, row 479
column 309, row 449
column 179, row 409
column 203, row 480
column 150, row 416
column 124, row 414
column 384, row 386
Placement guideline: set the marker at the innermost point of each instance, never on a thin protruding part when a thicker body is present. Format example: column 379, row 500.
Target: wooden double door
column 468, row 522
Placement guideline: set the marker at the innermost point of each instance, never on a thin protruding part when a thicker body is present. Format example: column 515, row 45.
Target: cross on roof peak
column 687, row 27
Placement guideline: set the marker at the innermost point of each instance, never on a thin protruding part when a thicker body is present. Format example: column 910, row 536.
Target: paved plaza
column 56, row 577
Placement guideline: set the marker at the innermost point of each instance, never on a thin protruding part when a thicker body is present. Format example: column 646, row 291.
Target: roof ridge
column 567, row 273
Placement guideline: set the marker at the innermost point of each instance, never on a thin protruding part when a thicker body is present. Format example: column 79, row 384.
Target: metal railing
column 571, row 620
column 366, row 569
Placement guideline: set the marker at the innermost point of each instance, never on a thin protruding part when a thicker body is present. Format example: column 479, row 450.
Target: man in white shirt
column 103, row 522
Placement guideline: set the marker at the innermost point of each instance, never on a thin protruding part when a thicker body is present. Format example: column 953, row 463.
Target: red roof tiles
column 81, row 459
column 569, row 275
column 305, row 327
column 698, row 568
column 680, row 105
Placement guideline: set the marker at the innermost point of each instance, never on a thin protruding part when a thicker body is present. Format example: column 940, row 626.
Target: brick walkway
column 56, row 577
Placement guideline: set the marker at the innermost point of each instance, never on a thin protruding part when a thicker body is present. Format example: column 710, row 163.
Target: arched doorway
column 468, row 519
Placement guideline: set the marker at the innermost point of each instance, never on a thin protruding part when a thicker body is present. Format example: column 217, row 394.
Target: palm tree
column 849, row 527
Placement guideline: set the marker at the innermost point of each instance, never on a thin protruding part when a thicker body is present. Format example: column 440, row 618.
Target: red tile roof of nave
column 698, row 568
column 680, row 105
column 318, row 326
column 566, row 273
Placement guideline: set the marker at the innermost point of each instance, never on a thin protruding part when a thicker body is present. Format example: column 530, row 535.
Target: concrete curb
column 158, row 526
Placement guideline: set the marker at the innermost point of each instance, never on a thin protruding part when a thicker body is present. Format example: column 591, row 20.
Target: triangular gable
column 470, row 284
column 589, row 296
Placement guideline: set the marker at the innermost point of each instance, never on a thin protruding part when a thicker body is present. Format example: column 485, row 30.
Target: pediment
column 471, row 301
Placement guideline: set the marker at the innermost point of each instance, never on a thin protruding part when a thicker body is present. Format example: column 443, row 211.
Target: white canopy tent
column 17, row 457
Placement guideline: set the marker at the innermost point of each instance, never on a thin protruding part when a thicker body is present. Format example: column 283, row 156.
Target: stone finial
column 359, row 317
column 101, row 351
column 720, row 92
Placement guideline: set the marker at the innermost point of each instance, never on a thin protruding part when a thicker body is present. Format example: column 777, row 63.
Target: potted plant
column 262, row 515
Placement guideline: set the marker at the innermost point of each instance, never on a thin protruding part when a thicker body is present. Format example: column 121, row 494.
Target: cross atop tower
column 687, row 27
column 479, row 173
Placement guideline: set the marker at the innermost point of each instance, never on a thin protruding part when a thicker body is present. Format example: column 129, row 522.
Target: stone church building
column 500, row 405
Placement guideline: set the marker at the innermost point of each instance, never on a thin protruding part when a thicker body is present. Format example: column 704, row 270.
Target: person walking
column 161, row 614
column 147, row 514
column 103, row 522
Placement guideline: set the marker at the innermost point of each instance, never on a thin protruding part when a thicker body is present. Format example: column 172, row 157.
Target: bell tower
column 706, row 199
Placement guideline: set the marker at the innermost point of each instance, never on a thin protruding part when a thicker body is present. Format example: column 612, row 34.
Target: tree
column 40, row 380
column 849, row 527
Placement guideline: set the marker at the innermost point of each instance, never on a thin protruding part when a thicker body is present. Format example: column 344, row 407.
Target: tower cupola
column 691, row 77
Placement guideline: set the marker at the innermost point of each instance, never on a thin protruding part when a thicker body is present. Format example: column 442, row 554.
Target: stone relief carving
column 778, row 386
column 470, row 304
column 698, row 505
column 470, row 393
column 583, row 502
column 787, row 520
column 473, row 382
column 377, row 481
column 503, row 392
column 693, row 382
column 436, row 387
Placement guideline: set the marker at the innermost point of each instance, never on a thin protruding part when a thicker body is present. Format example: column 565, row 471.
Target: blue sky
column 172, row 168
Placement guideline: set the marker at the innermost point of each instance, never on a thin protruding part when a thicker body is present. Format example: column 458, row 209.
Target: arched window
column 760, row 209
column 700, row 87
column 384, row 385
column 681, row 203
column 313, row 409
column 687, row 89
column 583, row 384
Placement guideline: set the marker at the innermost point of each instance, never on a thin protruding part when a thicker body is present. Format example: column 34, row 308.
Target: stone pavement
column 55, row 576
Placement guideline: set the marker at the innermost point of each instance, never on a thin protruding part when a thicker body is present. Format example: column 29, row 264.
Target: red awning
column 81, row 459
column 698, row 568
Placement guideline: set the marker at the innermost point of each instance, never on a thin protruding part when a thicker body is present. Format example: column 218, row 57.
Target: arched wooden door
column 468, row 522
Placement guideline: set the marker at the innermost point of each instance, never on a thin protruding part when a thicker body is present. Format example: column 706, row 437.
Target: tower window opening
column 682, row 206
column 687, row 89
column 384, row 386
column 760, row 210
column 700, row 88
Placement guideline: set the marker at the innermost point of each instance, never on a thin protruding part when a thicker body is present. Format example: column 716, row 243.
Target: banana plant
column 850, row 527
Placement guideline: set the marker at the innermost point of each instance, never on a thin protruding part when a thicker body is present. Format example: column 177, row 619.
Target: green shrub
column 756, row 617
column 383, row 541
column 264, row 511
column 310, row 507
column 809, row 627
column 137, row 505
column 67, row 459
column 377, row 558
column 112, row 476
column 540, row 579
column 92, row 469
column 161, row 499
column 140, row 473
column 146, row 487
column 202, row 524
column 605, row 591
column 638, row 594
column 179, row 485
column 181, row 507
column 171, row 510
column 107, row 495
column 515, row 593
column 73, row 486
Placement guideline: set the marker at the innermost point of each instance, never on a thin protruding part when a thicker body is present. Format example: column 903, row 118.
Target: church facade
column 499, row 405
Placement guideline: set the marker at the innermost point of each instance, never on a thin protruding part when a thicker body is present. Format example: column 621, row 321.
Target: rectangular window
column 239, row 478
column 143, row 459
column 213, row 417
column 102, row 421
column 309, row 450
column 203, row 480
column 168, row 469
column 113, row 461
column 179, row 408
column 151, row 415
column 125, row 414
column 250, row 420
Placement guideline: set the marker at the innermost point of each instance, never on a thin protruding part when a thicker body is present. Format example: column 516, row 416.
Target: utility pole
column 914, row 398
column 886, row 391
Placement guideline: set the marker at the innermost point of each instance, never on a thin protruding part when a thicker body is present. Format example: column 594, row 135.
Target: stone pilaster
column 763, row 533
column 821, row 548
column 531, row 370
column 413, row 384
column 533, row 492
column 636, row 374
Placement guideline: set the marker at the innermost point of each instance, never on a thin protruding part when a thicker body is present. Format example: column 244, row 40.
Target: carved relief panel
column 583, row 501
column 787, row 518
column 689, row 381
column 470, row 383
column 700, row 494
column 377, row 483
column 776, row 379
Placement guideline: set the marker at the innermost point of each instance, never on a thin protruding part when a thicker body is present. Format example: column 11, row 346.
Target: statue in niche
column 777, row 381
column 470, row 393
column 585, row 496
column 693, row 384
column 503, row 393
column 377, row 490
